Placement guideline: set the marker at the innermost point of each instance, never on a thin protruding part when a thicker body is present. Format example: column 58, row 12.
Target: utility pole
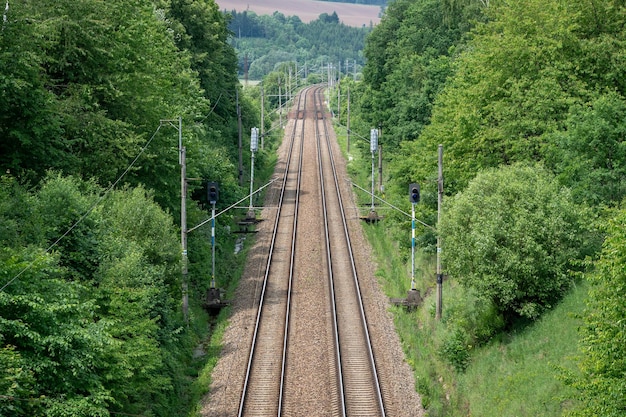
column 439, row 202
column 213, row 245
column 240, row 141
column 288, row 83
column 183, row 210
column 262, row 119
column 414, row 198
column 348, row 125
column 280, row 106
column 373, row 149
column 329, row 74
column 254, row 147
column 212, row 196
column 183, row 227
column 338, row 102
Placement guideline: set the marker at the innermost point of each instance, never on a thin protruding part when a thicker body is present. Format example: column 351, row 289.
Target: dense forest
column 90, row 194
column 528, row 100
column 264, row 42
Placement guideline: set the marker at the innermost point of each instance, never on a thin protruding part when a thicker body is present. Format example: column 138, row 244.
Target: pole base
column 412, row 301
column 213, row 301
column 372, row 217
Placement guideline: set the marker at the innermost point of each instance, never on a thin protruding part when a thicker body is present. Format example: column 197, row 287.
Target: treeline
column 528, row 100
column 264, row 42
column 91, row 322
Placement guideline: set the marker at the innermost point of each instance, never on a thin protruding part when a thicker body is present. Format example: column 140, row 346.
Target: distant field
column 350, row 14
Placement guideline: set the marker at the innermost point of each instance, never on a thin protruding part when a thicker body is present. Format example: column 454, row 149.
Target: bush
column 514, row 237
column 601, row 383
column 470, row 321
column 456, row 349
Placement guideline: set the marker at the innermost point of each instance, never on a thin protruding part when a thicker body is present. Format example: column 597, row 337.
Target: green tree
column 29, row 122
column 92, row 88
column 408, row 61
column 45, row 324
column 515, row 237
column 93, row 325
column 589, row 154
column 17, row 384
column 515, row 83
column 601, row 383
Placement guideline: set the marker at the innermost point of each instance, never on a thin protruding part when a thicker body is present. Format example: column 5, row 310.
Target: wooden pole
column 262, row 119
column 240, row 141
column 439, row 202
column 339, row 103
column 348, row 124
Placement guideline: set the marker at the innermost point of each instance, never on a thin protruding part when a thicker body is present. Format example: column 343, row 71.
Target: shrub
column 601, row 383
column 470, row 321
column 514, row 237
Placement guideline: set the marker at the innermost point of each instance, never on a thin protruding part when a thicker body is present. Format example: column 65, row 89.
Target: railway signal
column 373, row 148
column 373, row 140
column 254, row 147
column 213, row 191
column 254, row 139
column 414, row 193
column 414, row 196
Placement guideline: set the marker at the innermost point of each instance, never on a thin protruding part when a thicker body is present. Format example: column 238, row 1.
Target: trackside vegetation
column 263, row 43
column 527, row 100
column 91, row 322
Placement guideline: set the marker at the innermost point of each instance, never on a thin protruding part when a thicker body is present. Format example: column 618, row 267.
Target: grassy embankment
column 516, row 374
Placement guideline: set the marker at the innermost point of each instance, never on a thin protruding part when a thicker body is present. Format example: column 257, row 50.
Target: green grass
column 213, row 348
column 519, row 375
column 417, row 329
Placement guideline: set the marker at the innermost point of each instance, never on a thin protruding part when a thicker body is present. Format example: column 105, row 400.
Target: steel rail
column 259, row 316
column 291, row 264
column 332, row 297
column 372, row 362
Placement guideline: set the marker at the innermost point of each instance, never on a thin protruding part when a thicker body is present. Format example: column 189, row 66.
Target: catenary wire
column 80, row 220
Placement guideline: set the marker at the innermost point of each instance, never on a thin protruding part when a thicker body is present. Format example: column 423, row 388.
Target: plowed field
column 350, row 14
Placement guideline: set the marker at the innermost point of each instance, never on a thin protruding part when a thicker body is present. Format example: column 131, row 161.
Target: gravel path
column 228, row 376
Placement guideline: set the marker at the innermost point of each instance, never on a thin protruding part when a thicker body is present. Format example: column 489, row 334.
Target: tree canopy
column 84, row 328
column 527, row 99
column 90, row 299
column 86, row 85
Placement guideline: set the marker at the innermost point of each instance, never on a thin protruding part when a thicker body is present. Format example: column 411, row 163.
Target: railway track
column 310, row 352
column 361, row 388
